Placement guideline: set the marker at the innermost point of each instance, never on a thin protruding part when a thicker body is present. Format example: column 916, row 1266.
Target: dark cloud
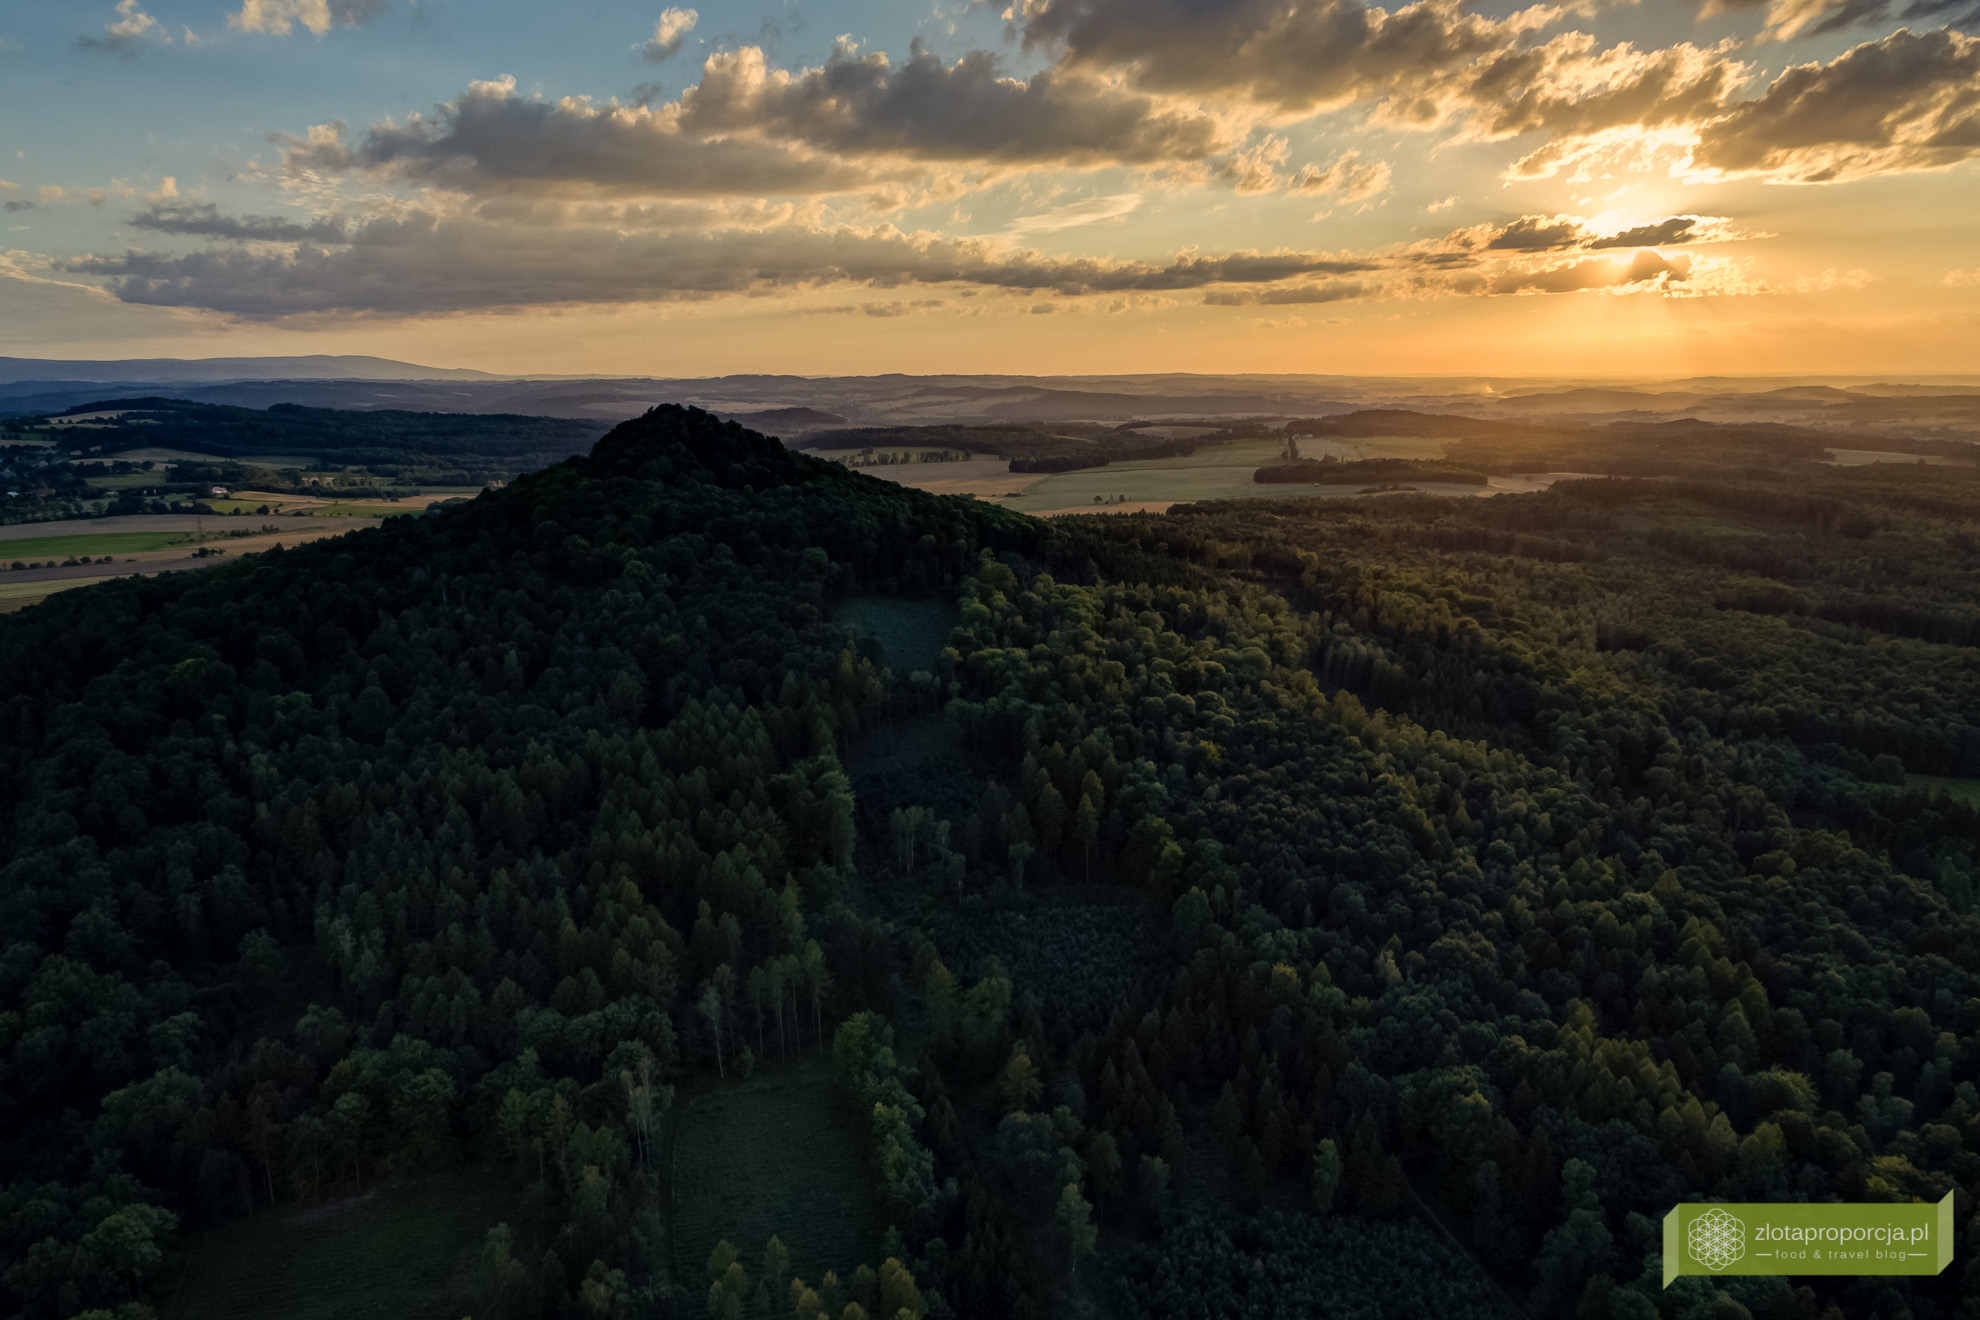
column 1595, row 273
column 490, row 140
column 1532, row 233
column 1293, row 55
column 1419, row 64
column 747, row 129
column 1803, row 18
column 1665, row 233
column 1297, row 295
column 1560, row 233
column 12, row 208
column 422, row 265
column 971, row 110
column 1570, row 89
column 1909, row 101
column 203, row 220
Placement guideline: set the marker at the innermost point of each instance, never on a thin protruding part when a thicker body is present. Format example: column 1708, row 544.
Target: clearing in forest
column 399, row 1252
column 1959, row 790
column 776, row 1155
column 1215, row 472
column 909, row 633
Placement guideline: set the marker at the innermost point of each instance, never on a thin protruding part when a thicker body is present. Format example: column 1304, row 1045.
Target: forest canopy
column 338, row 435
column 1232, row 898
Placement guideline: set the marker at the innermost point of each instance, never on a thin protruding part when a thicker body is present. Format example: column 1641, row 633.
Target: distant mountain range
column 158, row 370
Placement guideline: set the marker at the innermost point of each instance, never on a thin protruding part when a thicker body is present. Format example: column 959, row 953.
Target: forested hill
column 1354, row 907
column 353, row 436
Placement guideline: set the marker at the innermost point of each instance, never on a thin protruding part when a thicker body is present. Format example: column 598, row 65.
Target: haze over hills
column 313, row 367
column 792, row 405
column 855, row 661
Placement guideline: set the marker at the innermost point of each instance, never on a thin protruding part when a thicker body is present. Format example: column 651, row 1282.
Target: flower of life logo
column 1716, row 1239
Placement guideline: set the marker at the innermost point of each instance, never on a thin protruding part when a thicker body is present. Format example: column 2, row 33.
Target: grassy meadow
column 404, row 1251
column 910, row 633
column 1217, row 472
column 86, row 543
column 20, row 595
column 1959, row 790
column 774, row 1155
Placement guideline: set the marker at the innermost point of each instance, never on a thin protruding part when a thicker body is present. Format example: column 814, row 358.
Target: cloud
column 1645, row 267
column 748, row 129
column 1532, row 233
column 1444, row 205
column 1559, row 233
column 1664, row 233
column 669, row 33
column 1294, row 56
column 1090, row 211
column 121, row 37
column 1420, row 66
column 968, row 111
column 422, row 264
column 442, row 256
column 1787, row 19
column 278, row 18
column 205, row 221
column 1910, row 101
column 491, row 141
column 1296, row 296
column 1962, row 279
column 901, row 307
column 1346, row 178
column 1256, row 170
column 1573, row 90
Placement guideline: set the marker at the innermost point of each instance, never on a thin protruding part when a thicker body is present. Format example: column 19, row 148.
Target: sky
column 1589, row 188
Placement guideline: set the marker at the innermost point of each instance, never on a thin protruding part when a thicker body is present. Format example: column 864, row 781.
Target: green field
column 400, row 1252
column 367, row 510
column 916, row 453
column 1216, row 472
column 774, row 1155
column 100, row 543
column 20, row 595
column 1959, row 790
column 910, row 633
column 158, row 455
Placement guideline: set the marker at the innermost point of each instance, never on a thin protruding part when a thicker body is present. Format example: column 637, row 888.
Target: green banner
column 1912, row 1238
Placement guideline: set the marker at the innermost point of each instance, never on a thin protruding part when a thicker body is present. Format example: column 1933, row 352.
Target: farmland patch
column 102, row 543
